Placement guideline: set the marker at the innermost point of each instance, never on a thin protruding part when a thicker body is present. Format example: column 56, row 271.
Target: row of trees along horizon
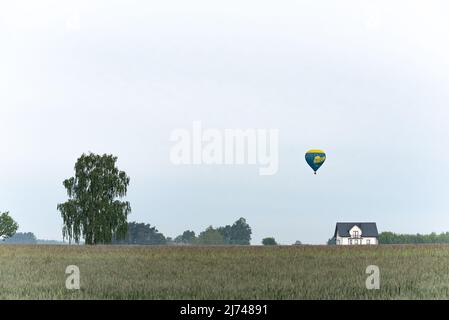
column 95, row 212
column 144, row 234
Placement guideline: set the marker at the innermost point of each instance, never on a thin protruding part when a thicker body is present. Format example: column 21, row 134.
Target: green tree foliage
column 211, row 236
column 8, row 226
column 237, row 234
column 22, row 237
column 141, row 234
column 395, row 238
column 93, row 210
column 269, row 241
column 187, row 237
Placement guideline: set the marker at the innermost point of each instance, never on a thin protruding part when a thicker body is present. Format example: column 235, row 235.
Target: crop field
column 295, row 272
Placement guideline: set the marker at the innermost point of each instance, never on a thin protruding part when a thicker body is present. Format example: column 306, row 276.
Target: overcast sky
column 365, row 81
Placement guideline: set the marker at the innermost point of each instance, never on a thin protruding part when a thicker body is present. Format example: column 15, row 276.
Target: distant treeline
column 239, row 233
column 28, row 238
column 395, row 238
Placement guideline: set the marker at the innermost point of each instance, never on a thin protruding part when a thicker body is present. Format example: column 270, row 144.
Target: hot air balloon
column 315, row 158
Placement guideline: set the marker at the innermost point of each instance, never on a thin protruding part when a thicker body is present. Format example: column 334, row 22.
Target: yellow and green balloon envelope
column 315, row 158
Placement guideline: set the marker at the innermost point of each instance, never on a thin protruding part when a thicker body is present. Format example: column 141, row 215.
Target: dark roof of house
column 369, row 229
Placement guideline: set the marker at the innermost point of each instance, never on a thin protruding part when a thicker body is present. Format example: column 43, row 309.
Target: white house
column 355, row 233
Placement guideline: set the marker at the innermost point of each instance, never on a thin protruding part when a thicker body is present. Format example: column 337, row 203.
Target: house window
column 355, row 234
column 350, row 241
column 368, row 241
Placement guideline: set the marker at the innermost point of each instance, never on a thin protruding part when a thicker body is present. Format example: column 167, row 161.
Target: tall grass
column 296, row 272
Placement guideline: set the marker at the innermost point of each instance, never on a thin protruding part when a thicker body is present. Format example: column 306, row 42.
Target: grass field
column 296, row 272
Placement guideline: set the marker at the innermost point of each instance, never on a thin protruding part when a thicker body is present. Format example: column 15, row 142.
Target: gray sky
column 367, row 82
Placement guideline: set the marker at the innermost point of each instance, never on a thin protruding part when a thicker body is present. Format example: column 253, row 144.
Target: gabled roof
column 369, row 229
